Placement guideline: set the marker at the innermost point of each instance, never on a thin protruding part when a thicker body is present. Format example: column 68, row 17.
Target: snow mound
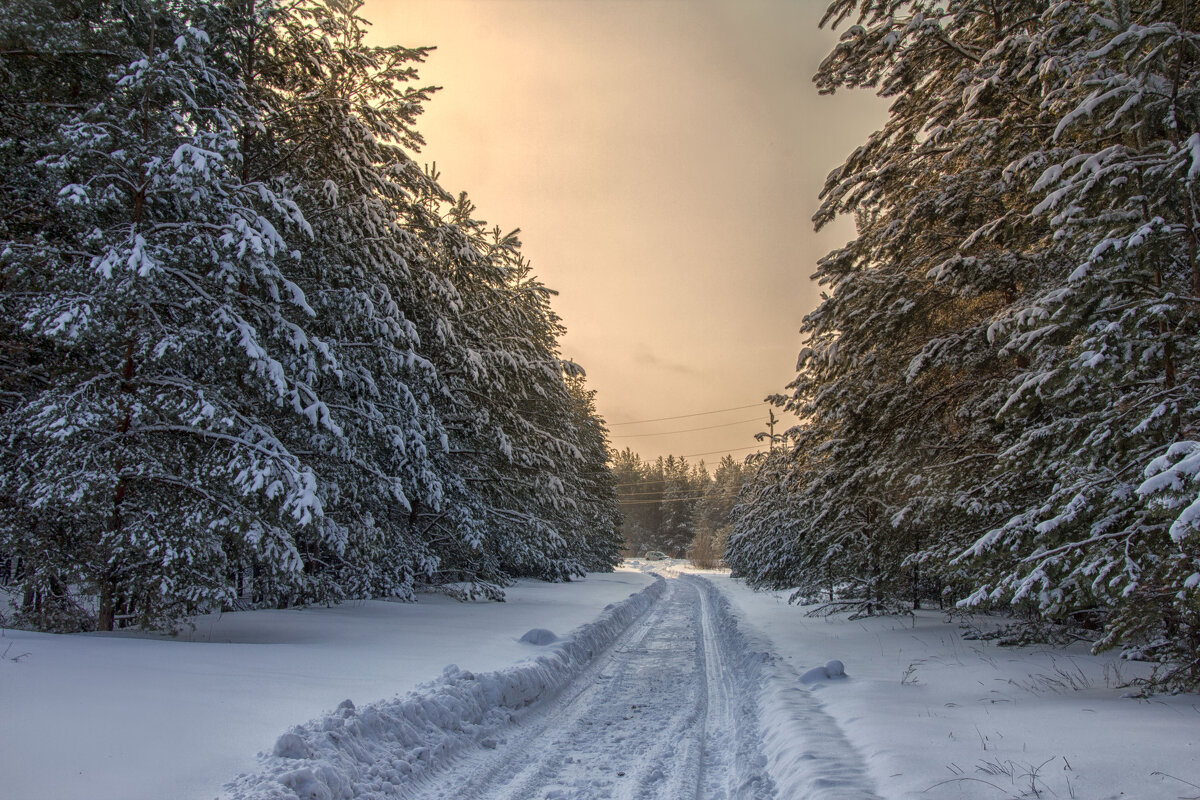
column 808, row 754
column 540, row 636
column 832, row 669
column 372, row 752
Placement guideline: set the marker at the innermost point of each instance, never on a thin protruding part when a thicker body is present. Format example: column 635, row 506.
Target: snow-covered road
column 667, row 695
column 669, row 711
column 689, row 683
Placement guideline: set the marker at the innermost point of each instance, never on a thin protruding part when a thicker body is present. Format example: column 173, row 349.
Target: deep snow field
column 941, row 717
column 928, row 713
column 115, row 717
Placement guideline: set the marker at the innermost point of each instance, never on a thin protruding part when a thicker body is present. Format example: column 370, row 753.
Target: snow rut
column 670, row 712
column 808, row 754
column 373, row 752
column 664, row 696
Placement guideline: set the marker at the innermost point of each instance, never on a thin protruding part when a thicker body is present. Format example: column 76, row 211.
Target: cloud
column 647, row 358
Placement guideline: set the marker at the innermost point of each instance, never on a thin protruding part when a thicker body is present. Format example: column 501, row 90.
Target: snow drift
column 374, row 751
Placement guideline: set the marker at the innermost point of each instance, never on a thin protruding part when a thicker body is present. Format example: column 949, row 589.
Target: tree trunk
column 106, row 619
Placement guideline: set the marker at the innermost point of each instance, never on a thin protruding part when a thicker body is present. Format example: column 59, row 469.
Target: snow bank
column 132, row 717
column 807, row 755
column 807, row 751
column 931, row 714
column 371, row 752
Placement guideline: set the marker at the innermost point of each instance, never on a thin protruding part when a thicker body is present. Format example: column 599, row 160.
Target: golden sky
column 662, row 159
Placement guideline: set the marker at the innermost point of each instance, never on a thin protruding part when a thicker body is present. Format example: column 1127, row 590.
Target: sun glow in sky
column 662, row 159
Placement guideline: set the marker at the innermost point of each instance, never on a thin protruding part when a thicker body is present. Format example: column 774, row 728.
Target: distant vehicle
column 655, row 555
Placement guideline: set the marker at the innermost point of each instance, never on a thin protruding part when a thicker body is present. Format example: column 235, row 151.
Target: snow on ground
column 386, row 747
column 890, row 708
column 115, row 717
column 669, row 711
column 940, row 717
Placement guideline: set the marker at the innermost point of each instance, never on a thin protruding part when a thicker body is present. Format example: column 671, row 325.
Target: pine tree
column 898, row 380
column 715, row 509
column 161, row 290
column 640, row 496
column 513, row 409
column 1109, row 396
column 252, row 351
column 680, row 496
column 592, row 483
column 338, row 126
column 998, row 388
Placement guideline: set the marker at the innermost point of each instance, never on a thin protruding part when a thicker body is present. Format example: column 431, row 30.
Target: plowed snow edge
column 369, row 753
column 807, row 753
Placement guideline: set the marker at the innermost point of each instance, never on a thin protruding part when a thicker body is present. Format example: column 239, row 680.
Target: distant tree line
column 1000, row 391
column 250, row 351
column 675, row 507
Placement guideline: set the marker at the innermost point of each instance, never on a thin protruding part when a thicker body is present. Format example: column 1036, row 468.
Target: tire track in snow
column 808, row 754
column 721, row 755
column 504, row 773
column 379, row 751
column 665, row 696
column 670, row 712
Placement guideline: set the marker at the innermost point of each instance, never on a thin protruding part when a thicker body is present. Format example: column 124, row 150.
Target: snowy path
column 664, row 713
column 665, row 696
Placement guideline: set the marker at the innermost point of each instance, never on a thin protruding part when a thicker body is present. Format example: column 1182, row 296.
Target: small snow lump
column 832, row 669
column 540, row 636
column 306, row 785
column 815, row 674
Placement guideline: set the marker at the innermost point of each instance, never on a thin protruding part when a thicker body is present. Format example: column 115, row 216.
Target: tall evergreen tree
column 1108, row 399
column 161, row 288
column 898, row 380
column 250, row 347
column 998, row 388
column 337, row 127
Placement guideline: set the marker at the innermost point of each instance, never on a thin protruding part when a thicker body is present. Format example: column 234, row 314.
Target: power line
column 677, row 500
column 641, row 483
column 654, row 492
column 685, row 416
column 714, row 452
column 687, row 430
column 667, row 499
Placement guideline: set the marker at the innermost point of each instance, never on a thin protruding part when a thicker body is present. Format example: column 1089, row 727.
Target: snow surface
column 670, row 710
column 937, row 716
column 373, row 753
column 116, row 717
column 693, row 686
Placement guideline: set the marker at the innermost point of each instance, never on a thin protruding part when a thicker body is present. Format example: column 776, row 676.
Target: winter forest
column 254, row 355
column 1000, row 391
column 676, row 508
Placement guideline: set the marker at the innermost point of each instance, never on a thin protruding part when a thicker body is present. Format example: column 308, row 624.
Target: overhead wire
column 684, row 416
column 714, row 452
column 651, row 493
column 677, row 500
column 686, row 430
column 728, row 451
column 652, row 481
